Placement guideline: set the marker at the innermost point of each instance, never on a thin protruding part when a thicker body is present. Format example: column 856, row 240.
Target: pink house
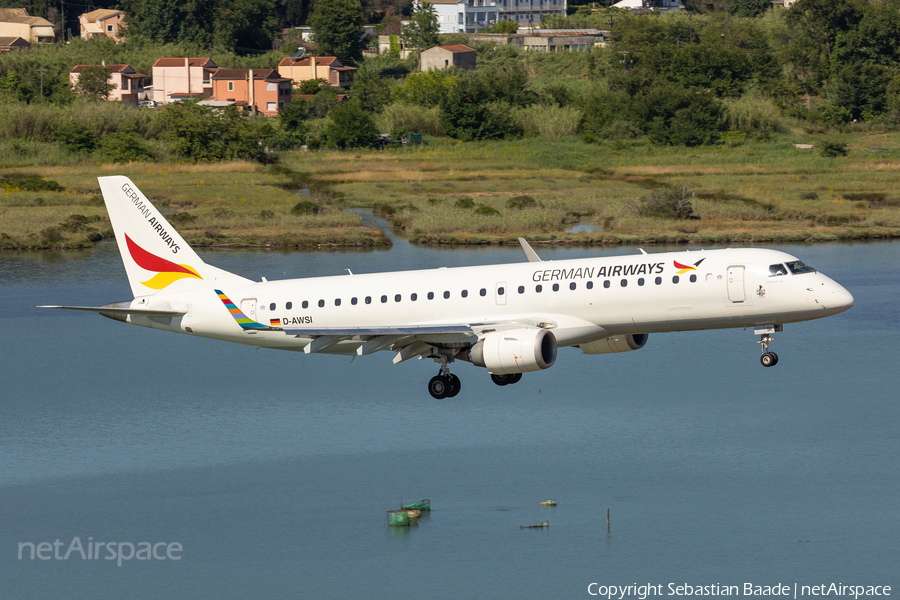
column 176, row 79
column 266, row 95
column 102, row 23
column 129, row 84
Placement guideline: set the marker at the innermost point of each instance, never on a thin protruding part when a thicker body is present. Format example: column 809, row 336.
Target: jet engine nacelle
column 616, row 343
column 516, row 350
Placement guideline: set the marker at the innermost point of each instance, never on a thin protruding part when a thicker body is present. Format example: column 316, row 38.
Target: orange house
column 328, row 68
column 101, row 23
column 267, row 94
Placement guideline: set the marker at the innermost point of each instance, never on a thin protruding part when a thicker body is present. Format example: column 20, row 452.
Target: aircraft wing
column 408, row 341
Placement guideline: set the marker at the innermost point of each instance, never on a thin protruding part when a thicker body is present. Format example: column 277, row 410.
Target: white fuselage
column 580, row 300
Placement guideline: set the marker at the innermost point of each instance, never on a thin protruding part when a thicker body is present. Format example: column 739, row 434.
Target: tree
column 505, row 26
column 338, row 27
column 93, row 82
column 351, row 127
column 467, row 112
column 421, row 32
column 199, row 132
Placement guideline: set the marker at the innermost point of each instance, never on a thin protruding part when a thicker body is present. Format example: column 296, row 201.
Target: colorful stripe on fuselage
column 243, row 320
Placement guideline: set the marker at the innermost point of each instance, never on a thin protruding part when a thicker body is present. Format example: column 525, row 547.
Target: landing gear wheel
column 455, row 385
column 775, row 356
column 768, row 359
column 439, row 387
column 501, row 379
column 515, row 378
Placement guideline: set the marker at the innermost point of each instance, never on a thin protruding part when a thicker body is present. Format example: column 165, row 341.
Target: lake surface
column 273, row 471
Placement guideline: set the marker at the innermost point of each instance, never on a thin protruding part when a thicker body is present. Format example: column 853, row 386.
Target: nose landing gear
column 768, row 359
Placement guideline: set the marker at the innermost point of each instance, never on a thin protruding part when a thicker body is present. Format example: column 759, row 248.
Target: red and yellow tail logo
column 167, row 272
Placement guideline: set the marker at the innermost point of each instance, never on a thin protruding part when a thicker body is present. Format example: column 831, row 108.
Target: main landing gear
column 444, row 384
column 768, row 359
column 506, row 379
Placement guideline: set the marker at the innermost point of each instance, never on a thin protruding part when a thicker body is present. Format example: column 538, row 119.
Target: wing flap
column 379, row 331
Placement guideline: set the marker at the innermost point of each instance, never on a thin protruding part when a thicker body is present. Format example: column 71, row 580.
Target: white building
column 648, row 5
column 466, row 16
column 528, row 13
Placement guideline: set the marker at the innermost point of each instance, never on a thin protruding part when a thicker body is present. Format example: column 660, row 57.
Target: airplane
column 507, row 318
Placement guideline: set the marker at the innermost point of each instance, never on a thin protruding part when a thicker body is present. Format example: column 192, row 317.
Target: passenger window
column 465, row 293
column 321, row 304
column 521, row 289
column 368, row 299
column 572, row 286
column 538, row 288
column 606, row 283
column 483, row 292
column 624, row 283
column 590, row 285
column 337, row 301
column 397, row 298
column 675, row 279
column 500, row 291
column 431, row 295
column 272, row 306
column 555, row 287
column 446, row 295
column 384, row 299
column 353, row 301
column 305, row 304
column 693, row 279
column 776, row 270
column 641, row 281
column 413, row 297
column 658, row 281
column 289, row 305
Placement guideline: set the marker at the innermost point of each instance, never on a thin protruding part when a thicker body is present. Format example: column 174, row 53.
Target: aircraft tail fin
column 156, row 257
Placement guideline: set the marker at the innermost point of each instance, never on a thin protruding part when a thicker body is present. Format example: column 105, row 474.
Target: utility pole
column 62, row 29
column 624, row 54
column 41, row 71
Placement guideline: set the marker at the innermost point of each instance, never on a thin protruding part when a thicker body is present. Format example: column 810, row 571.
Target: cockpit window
column 776, row 270
column 798, row 267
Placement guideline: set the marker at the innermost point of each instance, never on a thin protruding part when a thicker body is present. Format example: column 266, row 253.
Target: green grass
column 755, row 192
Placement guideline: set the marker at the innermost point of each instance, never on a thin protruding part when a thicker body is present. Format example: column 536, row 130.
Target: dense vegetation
column 638, row 135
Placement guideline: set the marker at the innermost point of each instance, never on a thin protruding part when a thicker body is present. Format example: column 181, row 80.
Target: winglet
column 529, row 252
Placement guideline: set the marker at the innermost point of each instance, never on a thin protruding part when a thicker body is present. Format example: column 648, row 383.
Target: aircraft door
column 501, row 293
column 736, row 283
column 248, row 307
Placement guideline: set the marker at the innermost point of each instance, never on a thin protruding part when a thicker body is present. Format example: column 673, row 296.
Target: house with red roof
column 328, row 68
column 441, row 57
column 177, row 79
column 129, row 84
column 261, row 90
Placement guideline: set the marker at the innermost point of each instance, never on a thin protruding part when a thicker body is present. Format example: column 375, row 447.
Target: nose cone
column 841, row 299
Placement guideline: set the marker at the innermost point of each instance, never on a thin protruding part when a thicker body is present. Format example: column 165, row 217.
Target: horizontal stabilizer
column 146, row 312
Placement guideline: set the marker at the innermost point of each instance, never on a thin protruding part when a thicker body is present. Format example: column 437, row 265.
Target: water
column 273, row 470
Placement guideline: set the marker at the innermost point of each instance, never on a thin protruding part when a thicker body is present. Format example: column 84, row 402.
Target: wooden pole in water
column 607, row 520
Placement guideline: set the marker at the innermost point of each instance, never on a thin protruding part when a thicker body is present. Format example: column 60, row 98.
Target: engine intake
column 516, row 350
column 616, row 343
